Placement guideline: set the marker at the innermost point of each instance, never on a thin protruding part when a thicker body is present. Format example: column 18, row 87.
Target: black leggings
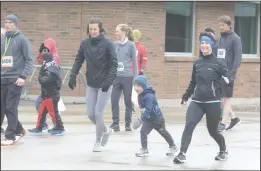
column 194, row 114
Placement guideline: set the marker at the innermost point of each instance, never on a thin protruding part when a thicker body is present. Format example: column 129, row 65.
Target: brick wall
column 66, row 23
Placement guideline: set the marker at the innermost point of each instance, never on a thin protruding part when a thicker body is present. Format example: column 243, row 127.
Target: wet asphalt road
column 74, row 150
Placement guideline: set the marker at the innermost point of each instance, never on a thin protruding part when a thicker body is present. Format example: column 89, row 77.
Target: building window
column 247, row 25
column 179, row 27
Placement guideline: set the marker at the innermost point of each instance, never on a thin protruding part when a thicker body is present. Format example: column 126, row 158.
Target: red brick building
column 170, row 31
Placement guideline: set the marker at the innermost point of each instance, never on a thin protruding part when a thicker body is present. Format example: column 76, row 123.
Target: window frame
column 257, row 55
column 185, row 54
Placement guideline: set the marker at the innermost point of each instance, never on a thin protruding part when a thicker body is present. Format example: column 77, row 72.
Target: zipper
column 213, row 89
column 195, row 91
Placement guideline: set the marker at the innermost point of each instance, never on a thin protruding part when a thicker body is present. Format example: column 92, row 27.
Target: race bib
column 7, row 62
column 221, row 53
column 120, row 66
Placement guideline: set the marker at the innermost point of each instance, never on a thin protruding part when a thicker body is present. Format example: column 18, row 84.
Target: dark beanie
column 209, row 29
column 12, row 18
column 48, row 57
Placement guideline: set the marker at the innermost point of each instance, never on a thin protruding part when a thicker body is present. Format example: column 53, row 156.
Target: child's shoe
column 35, row 131
column 56, row 131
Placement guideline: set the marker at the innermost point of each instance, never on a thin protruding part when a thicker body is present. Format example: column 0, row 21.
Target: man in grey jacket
column 229, row 48
column 16, row 66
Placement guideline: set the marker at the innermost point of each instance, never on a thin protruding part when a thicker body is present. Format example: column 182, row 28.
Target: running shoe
column 172, row 150
column 35, row 131
column 142, row 153
column 115, row 127
column 222, row 155
column 180, row 158
column 221, row 127
column 45, row 126
column 97, row 147
column 56, row 131
column 128, row 127
column 234, row 122
column 105, row 136
column 7, row 142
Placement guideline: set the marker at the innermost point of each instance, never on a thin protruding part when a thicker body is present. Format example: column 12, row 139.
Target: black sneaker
column 115, row 127
column 45, row 126
column 128, row 127
column 180, row 158
column 142, row 153
column 221, row 127
column 234, row 122
column 222, row 155
column 2, row 131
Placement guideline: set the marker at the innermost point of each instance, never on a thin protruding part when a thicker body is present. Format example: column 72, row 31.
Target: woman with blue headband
column 204, row 88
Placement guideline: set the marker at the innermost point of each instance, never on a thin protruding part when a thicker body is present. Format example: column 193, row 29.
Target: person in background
column 229, row 49
column 49, row 45
column 17, row 64
column 101, row 61
column 51, row 82
column 151, row 117
column 126, row 54
column 141, row 54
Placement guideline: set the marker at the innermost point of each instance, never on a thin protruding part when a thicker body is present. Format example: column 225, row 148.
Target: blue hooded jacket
column 147, row 100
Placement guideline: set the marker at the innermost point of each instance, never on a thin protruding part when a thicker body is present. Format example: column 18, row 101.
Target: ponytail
column 127, row 30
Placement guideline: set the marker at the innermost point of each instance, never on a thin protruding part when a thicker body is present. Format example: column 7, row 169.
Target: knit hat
column 48, row 57
column 136, row 34
column 209, row 29
column 142, row 81
column 12, row 18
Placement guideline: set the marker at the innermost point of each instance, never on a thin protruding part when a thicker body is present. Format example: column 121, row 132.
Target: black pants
column 10, row 98
column 159, row 126
column 195, row 113
column 121, row 84
column 49, row 105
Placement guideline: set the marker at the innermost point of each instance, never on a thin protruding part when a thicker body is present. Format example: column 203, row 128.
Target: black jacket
column 206, row 79
column 101, row 61
column 51, row 82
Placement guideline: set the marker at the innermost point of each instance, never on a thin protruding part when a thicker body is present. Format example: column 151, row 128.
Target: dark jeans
column 121, row 84
column 194, row 114
column 49, row 105
column 160, row 127
column 10, row 98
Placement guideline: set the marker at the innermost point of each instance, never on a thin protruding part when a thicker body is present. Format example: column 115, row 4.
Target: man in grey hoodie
column 16, row 66
column 229, row 48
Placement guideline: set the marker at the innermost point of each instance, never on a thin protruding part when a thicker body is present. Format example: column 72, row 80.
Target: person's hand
column 137, row 123
column 20, row 82
column 105, row 86
column 72, row 82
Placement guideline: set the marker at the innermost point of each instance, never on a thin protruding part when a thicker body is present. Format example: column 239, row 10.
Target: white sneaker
column 97, row 147
column 105, row 136
column 7, row 142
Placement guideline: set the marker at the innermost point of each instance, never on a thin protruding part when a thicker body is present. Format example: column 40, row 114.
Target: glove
column 137, row 123
column 184, row 100
column 105, row 86
column 72, row 82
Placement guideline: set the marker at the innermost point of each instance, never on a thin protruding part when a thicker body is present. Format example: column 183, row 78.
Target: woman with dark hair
column 126, row 54
column 205, row 87
column 101, row 62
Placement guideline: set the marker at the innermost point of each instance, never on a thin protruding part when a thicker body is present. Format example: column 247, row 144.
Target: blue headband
column 207, row 39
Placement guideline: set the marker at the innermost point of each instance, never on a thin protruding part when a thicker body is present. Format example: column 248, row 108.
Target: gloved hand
column 184, row 100
column 72, row 81
column 105, row 86
column 136, row 123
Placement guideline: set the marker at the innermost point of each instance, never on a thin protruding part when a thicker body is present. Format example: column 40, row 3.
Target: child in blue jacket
column 151, row 117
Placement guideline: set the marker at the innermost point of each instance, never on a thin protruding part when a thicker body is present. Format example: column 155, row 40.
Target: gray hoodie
column 126, row 54
column 230, row 49
column 16, row 57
